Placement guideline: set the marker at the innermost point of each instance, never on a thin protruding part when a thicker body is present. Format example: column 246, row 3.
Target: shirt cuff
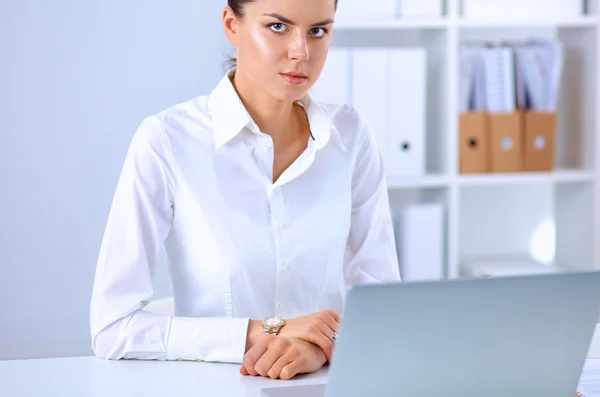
column 207, row 339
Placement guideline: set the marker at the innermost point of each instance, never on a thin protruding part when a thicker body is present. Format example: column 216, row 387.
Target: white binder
column 552, row 8
column 568, row 8
column 360, row 10
column 420, row 8
column 407, row 85
column 332, row 85
column 545, row 8
column 420, row 242
column 483, row 8
column 522, row 8
column 369, row 91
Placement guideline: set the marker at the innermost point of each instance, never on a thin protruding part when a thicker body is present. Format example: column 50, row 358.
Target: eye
column 277, row 27
column 318, row 32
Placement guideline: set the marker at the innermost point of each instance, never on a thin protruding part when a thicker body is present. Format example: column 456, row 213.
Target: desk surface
column 91, row 376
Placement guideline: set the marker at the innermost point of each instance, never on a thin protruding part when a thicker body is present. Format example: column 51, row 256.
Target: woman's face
column 281, row 45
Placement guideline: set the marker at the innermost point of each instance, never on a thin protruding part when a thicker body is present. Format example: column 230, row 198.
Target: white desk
column 94, row 377
column 91, row 376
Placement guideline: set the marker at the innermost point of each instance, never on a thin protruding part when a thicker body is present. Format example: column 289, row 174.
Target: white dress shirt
column 197, row 180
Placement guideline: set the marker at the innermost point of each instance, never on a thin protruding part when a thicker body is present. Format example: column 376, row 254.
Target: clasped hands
column 302, row 346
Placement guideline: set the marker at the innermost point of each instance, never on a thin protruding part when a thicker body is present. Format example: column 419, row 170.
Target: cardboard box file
column 474, row 156
column 539, row 141
column 506, row 141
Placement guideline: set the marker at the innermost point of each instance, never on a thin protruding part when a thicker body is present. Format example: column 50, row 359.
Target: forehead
column 300, row 11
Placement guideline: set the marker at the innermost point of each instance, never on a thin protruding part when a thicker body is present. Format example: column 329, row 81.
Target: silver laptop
column 506, row 336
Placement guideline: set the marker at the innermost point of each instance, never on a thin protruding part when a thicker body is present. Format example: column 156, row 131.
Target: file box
column 506, row 141
column 539, row 141
column 473, row 145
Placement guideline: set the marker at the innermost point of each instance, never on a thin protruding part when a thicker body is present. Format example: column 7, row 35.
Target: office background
column 78, row 77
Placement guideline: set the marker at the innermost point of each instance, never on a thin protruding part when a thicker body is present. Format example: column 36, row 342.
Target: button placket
column 278, row 226
column 263, row 153
column 277, row 212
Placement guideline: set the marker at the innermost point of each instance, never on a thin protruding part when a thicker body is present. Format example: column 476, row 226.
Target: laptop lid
column 505, row 336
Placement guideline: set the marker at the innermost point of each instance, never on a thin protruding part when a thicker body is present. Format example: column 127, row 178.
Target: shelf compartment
column 420, row 234
column 576, row 106
column 497, row 222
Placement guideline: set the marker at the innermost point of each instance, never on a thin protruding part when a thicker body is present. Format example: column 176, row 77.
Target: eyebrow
column 290, row 22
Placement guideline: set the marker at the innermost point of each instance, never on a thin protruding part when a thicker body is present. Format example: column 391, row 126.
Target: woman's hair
column 238, row 9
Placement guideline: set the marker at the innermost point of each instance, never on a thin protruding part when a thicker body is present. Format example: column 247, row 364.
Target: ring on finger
column 334, row 337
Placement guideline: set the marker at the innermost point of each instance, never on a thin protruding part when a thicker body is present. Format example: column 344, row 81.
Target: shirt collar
column 321, row 127
column 228, row 113
column 229, row 116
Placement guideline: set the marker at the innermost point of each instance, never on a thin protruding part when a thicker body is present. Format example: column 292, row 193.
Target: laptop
column 504, row 336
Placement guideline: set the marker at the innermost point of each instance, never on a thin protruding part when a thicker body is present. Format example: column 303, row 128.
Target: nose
column 298, row 50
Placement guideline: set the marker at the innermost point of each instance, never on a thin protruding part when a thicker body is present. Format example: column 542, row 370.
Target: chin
column 292, row 97
column 292, row 94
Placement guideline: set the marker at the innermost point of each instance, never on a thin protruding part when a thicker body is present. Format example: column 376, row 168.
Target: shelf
column 492, row 179
column 576, row 22
column 467, row 23
column 427, row 181
column 562, row 177
column 393, row 24
column 495, row 214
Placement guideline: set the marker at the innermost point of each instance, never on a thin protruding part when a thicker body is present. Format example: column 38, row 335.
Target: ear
column 231, row 26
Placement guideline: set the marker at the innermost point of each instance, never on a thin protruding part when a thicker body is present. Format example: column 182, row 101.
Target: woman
column 268, row 203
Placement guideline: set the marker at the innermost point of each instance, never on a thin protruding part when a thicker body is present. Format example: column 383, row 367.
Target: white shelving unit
column 553, row 216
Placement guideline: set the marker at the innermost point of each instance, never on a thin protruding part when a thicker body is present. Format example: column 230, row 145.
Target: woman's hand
column 280, row 357
column 316, row 328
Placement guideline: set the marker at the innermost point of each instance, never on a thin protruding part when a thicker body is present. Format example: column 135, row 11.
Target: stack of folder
column 361, row 10
column 356, row 10
column 388, row 87
column 522, row 8
column 508, row 96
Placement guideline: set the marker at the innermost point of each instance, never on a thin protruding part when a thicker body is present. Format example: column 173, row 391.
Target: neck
column 271, row 115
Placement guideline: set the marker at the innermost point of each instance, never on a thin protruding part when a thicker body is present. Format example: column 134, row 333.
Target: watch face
column 272, row 321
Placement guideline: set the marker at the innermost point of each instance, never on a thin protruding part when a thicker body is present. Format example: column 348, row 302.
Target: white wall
column 76, row 78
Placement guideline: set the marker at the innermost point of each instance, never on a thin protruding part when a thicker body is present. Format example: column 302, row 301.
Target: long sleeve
column 138, row 223
column 371, row 249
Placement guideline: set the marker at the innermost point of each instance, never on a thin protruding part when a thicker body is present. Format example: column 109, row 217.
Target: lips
column 294, row 78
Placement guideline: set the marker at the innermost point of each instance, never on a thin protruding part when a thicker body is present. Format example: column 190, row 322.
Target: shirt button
column 281, row 226
column 266, row 148
column 279, row 305
column 285, row 268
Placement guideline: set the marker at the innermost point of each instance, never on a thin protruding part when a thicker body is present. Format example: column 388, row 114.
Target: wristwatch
column 272, row 325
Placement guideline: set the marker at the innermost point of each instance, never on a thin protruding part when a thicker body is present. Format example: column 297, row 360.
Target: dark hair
column 238, row 6
column 238, row 9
